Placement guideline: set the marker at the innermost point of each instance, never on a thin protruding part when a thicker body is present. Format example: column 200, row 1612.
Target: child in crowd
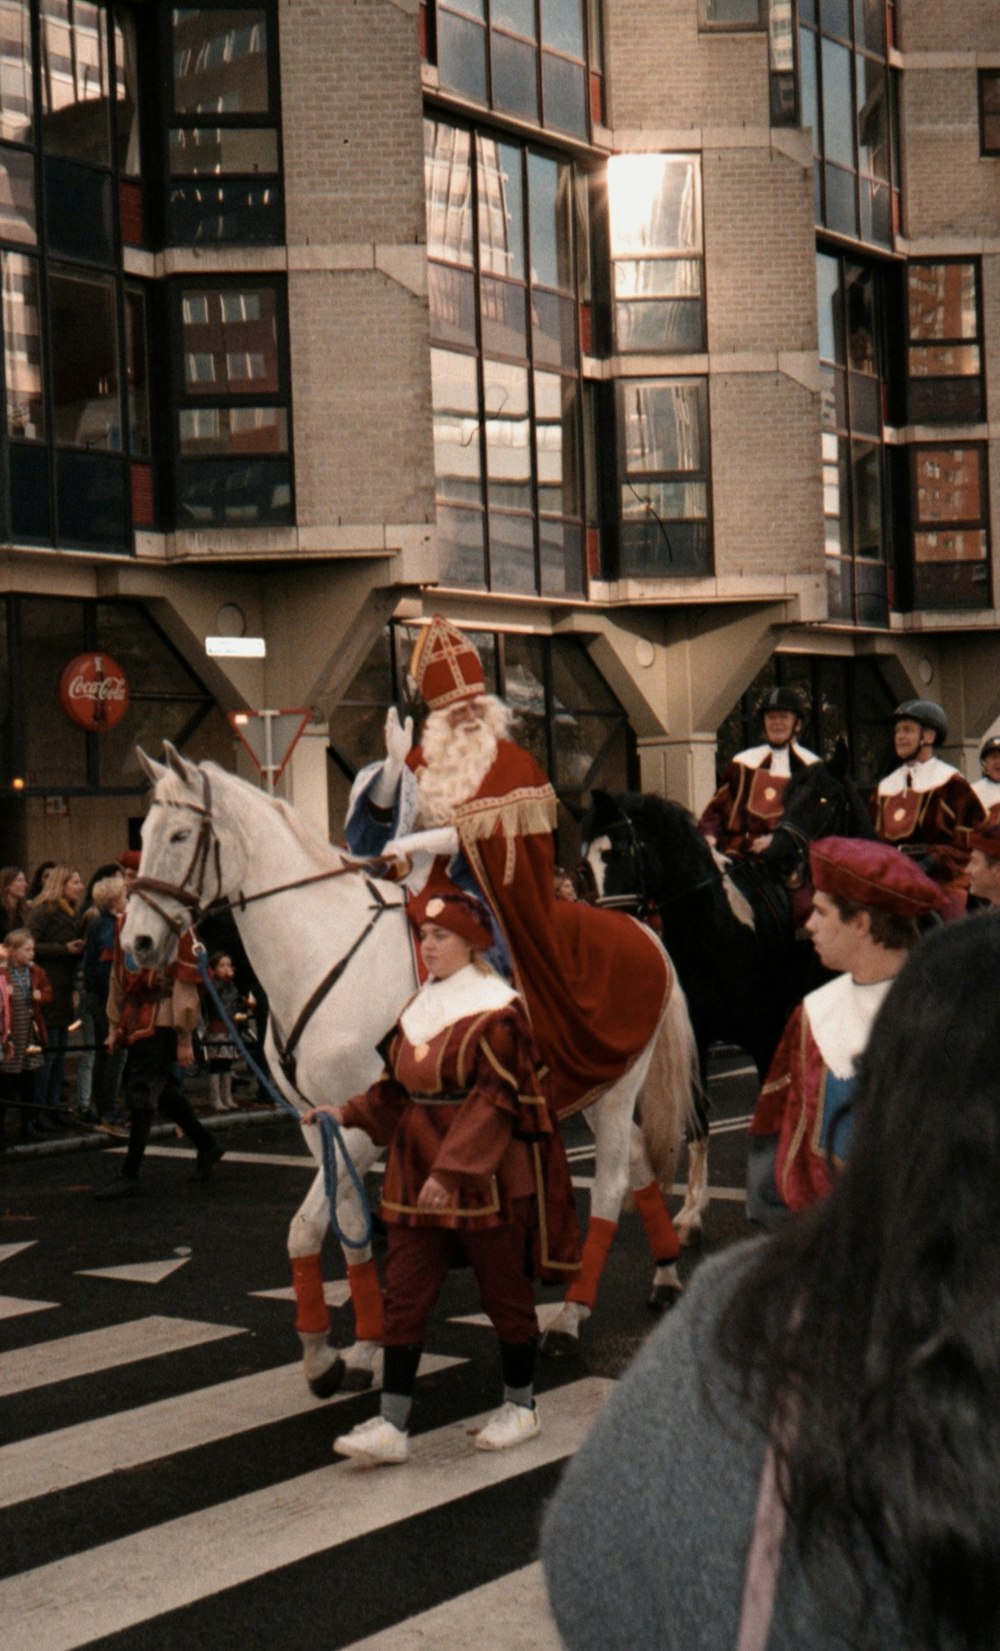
column 221, row 1053
column 24, row 992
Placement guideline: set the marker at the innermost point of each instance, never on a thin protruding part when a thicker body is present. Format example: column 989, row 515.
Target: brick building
column 657, row 345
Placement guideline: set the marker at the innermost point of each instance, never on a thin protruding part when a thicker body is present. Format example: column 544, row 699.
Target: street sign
column 270, row 737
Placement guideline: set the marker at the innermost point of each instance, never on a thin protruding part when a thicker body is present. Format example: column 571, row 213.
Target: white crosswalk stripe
column 103, row 1349
column 70, row 1602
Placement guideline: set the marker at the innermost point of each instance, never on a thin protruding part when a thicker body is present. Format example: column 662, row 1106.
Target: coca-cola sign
column 93, row 690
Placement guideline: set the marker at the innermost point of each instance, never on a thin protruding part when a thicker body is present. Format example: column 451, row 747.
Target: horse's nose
column 142, row 945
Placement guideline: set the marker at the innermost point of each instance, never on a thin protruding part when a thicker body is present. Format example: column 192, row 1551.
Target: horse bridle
column 641, row 903
column 800, row 843
column 189, row 892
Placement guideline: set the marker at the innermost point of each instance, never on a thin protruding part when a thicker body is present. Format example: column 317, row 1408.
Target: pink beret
column 870, row 873
column 129, row 859
column 987, row 839
column 444, row 903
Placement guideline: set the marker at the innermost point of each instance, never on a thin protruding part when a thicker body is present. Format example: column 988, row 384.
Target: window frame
column 921, row 416
column 988, row 78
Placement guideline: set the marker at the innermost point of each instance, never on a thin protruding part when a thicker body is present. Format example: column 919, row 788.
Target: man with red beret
column 984, row 864
column 867, row 900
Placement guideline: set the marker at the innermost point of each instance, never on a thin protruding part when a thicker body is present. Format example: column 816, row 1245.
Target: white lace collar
column 917, row 776
column 439, row 1003
column 841, row 1014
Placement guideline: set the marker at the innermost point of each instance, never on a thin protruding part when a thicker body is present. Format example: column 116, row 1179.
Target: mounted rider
column 925, row 807
column 987, row 789
column 748, row 804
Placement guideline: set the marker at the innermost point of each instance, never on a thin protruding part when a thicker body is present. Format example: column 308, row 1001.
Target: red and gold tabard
column 929, row 806
column 140, row 1000
column 751, row 797
column 465, row 1104
column 988, row 792
column 570, row 960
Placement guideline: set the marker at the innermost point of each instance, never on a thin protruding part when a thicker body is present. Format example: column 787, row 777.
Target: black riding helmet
column 925, row 711
column 990, row 747
column 783, row 699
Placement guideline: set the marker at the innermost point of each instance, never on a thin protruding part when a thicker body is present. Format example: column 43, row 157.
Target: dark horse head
column 641, row 851
column 821, row 801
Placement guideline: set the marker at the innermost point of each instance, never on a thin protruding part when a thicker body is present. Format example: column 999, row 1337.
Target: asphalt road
column 166, row 1479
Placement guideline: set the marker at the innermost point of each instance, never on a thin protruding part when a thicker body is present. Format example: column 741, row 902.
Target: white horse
column 329, row 944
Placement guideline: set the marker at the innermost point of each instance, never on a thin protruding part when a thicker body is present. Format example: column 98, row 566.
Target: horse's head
column 821, row 801
column 180, row 873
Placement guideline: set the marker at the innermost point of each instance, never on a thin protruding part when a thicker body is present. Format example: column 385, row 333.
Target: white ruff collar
column 840, row 1018
column 780, row 764
column 988, row 791
column 440, row 1003
column 927, row 776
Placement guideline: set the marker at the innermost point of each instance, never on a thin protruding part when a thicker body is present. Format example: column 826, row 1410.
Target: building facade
column 659, row 346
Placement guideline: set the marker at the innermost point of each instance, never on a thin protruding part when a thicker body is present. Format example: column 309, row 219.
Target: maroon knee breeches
column 416, row 1265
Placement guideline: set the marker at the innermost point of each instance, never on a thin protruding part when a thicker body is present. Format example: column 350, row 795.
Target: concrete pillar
column 304, row 782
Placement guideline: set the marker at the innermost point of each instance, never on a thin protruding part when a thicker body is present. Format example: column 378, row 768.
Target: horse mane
column 170, row 787
column 834, row 773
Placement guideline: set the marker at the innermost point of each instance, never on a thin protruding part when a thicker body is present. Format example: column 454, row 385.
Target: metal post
column 268, row 764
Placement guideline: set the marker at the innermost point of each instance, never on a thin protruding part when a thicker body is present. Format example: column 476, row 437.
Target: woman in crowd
column 24, row 992
column 807, row 1453
column 13, row 905
column 476, row 1171
column 53, row 920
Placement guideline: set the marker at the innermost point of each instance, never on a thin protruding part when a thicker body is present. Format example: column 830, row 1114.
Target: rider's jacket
column 140, row 1000
column 750, row 799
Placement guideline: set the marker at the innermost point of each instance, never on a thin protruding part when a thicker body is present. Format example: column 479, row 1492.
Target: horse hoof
column 662, row 1297
column 689, row 1236
column 558, row 1344
column 326, row 1385
column 357, row 1379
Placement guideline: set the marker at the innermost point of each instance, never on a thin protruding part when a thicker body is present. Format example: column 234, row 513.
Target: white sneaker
column 513, row 1424
column 374, row 1441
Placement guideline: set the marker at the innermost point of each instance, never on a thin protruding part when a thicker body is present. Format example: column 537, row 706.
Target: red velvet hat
column 444, row 903
column 987, row 839
column 129, row 859
column 445, row 666
column 873, row 874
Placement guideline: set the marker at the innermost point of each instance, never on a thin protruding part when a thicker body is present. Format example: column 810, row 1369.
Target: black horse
column 820, row 801
column 728, row 928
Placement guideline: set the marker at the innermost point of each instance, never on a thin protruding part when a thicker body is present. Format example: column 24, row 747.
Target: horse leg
column 663, row 1241
column 363, row 1359
column 696, row 1198
column 609, row 1120
column 322, row 1363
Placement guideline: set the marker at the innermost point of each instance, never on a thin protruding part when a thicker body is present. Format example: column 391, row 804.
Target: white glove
column 442, row 840
column 398, row 740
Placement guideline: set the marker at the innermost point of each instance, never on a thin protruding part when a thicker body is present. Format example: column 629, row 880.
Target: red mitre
column 987, row 839
column 445, row 666
column 442, row 902
column 870, row 873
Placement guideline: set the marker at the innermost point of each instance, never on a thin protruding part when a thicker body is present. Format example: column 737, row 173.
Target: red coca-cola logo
column 93, row 690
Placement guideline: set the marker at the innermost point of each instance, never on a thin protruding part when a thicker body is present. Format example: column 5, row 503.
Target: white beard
column 457, row 762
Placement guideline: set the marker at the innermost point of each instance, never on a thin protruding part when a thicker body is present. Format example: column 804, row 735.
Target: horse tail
column 670, row 1092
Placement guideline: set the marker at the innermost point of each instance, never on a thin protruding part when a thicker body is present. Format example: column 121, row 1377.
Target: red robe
column 138, row 997
column 935, row 820
column 467, row 1106
column 750, row 799
column 596, row 983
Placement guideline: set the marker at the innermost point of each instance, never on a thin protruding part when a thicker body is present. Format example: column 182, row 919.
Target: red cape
column 595, row 982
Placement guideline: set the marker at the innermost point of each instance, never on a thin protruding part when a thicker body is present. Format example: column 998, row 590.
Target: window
column 846, row 93
column 656, row 247
column 731, row 14
column 522, row 59
column 223, row 141
column 234, row 467
column 944, row 360
column 989, row 111
column 851, row 309
column 781, row 63
column 664, row 495
column 950, row 517
column 501, row 227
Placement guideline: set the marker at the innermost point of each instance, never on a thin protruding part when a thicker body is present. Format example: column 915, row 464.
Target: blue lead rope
column 330, row 1133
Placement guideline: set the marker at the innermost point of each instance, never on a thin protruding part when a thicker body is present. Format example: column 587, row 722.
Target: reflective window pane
column 92, row 500
column 448, row 185
column 220, row 60
column 654, row 203
column 501, row 208
column 234, row 349
column 657, row 278
column 206, row 149
column 85, row 377
column 560, row 550
column 136, row 372
column 17, row 197
column 451, row 297
column 24, row 385
column 461, row 541
column 949, row 484
column 873, row 117
column 76, row 81
column 234, row 493
column 664, row 425
column 942, row 301
column 869, row 25
column 508, row 435
column 79, row 217
column 838, row 118
column 554, row 334
column 512, row 553
column 556, row 453
column 945, row 361
column 562, row 26
column 950, row 547
column 233, row 430
column 550, row 208
column 673, row 328
column 15, row 71
column 503, row 318
column 989, row 94
column 456, row 426
column 127, row 92
column 515, row 76
column 243, row 211
column 732, row 14
column 462, row 55
column 564, row 94
column 516, row 15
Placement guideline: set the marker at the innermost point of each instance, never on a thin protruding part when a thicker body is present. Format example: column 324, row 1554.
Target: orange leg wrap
column 366, row 1297
column 595, row 1253
column 659, row 1229
column 312, row 1315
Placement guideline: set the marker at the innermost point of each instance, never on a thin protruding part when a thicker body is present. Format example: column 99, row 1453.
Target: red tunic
column 139, row 1000
column 467, row 1106
column 595, row 982
column 750, row 799
column 936, row 819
